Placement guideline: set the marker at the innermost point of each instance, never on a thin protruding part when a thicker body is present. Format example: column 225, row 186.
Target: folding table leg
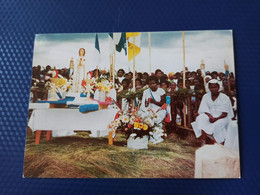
column 48, row 135
column 37, row 136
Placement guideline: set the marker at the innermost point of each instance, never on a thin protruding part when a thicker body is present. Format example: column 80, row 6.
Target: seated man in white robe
column 215, row 113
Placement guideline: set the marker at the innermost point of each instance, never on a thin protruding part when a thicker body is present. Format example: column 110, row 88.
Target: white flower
column 132, row 120
column 125, row 119
column 64, row 88
column 149, row 121
column 117, row 122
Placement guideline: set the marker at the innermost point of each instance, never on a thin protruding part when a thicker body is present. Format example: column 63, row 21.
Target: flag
column 122, row 43
column 97, row 43
column 111, row 44
column 132, row 46
column 116, row 38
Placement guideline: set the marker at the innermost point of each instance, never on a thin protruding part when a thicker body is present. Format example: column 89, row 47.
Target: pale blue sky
column 167, row 52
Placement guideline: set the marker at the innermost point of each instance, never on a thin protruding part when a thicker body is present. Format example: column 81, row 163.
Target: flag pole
column 133, row 102
column 114, row 64
column 149, row 41
column 184, row 75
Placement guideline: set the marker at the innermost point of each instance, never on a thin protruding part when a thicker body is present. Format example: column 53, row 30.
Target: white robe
column 79, row 74
column 157, row 96
column 215, row 108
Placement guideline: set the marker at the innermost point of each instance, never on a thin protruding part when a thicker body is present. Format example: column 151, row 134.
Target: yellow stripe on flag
column 131, row 34
column 131, row 51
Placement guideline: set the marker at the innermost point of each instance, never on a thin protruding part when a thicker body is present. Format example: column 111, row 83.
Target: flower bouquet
column 58, row 88
column 138, row 125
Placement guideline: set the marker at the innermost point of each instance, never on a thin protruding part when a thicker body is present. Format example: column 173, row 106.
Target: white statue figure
column 79, row 71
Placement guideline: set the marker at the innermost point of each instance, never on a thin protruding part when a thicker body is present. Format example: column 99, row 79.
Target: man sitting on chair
column 215, row 113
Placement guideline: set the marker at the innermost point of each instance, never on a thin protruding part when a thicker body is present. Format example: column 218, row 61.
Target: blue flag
column 122, row 44
column 97, row 43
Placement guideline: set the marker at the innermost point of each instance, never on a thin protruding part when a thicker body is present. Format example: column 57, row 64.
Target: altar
column 64, row 121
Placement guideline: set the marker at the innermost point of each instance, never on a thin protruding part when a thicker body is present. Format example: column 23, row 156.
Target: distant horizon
column 213, row 47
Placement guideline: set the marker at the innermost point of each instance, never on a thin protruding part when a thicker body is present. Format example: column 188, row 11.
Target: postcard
column 133, row 105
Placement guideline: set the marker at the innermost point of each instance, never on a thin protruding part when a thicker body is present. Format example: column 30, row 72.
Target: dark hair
column 130, row 73
column 214, row 72
column 140, row 74
column 127, row 81
column 139, row 81
column 166, row 82
column 158, row 70
column 121, row 70
column 152, row 78
column 180, row 81
column 145, row 73
column 164, row 77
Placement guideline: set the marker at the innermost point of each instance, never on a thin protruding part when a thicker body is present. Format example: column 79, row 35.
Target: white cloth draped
column 63, row 121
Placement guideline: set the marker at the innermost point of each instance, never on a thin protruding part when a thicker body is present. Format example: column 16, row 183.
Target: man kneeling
column 215, row 113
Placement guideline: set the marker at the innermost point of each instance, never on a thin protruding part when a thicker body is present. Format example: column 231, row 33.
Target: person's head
column 39, row 68
column 82, row 52
column 180, row 84
column 221, row 76
column 125, row 83
column 187, row 84
column 145, row 75
column 138, row 82
column 178, row 75
column 164, row 84
column 130, row 75
column 152, row 82
column 196, row 81
column 199, row 72
column 207, row 78
column 139, row 75
column 164, row 77
column 120, row 72
column 208, row 73
column 214, row 86
column 214, row 75
column 158, row 73
column 48, row 67
column 193, row 74
column 173, row 86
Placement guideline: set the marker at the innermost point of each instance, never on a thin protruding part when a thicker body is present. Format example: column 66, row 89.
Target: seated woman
column 215, row 113
column 153, row 98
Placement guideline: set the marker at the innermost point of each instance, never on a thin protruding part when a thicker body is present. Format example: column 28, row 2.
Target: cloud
column 167, row 51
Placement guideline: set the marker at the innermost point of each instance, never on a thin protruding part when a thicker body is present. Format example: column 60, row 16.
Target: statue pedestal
column 216, row 161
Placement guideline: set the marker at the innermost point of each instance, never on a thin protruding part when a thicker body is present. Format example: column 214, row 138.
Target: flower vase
column 102, row 96
column 137, row 143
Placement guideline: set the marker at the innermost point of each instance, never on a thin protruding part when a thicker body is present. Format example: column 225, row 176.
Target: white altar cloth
column 63, row 121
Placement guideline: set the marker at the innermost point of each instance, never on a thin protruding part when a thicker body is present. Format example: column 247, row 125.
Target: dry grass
column 80, row 156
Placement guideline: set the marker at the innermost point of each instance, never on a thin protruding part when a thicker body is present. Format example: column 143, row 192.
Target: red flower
column 108, row 99
column 129, row 126
column 164, row 106
column 83, row 83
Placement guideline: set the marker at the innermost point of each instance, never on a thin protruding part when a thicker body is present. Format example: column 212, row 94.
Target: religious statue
column 79, row 71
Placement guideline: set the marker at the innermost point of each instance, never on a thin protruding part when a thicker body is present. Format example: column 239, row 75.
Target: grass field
column 81, row 156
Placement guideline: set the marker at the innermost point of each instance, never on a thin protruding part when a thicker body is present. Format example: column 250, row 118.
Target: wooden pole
column 114, row 64
column 149, row 41
column 134, row 64
column 134, row 70
column 184, row 75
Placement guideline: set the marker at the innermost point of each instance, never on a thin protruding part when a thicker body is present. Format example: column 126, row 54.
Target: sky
column 166, row 51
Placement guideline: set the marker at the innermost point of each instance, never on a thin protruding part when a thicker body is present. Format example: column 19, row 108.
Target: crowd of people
column 158, row 85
